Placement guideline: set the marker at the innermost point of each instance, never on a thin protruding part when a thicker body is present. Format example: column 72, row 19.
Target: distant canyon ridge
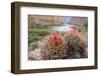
column 47, row 20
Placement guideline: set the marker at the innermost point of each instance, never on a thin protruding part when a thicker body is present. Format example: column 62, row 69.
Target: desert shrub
column 37, row 31
column 32, row 46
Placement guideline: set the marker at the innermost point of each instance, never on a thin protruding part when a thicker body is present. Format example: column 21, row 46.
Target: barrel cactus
column 67, row 46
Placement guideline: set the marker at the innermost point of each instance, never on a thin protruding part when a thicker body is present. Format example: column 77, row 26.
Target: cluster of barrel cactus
column 63, row 46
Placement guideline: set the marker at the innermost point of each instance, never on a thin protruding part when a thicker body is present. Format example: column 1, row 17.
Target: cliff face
column 47, row 19
column 78, row 21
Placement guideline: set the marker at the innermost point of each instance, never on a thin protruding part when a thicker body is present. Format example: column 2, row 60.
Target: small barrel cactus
column 54, row 47
column 76, row 46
